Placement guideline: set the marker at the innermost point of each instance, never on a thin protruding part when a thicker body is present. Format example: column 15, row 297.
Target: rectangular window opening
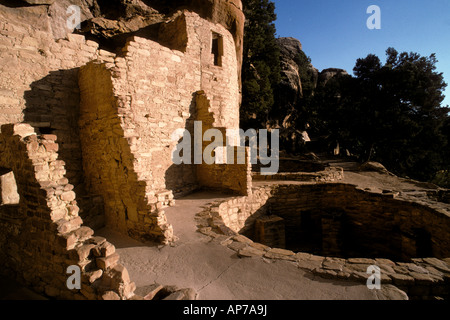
column 217, row 49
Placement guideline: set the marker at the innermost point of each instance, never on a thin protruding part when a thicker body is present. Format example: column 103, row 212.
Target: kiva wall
column 339, row 214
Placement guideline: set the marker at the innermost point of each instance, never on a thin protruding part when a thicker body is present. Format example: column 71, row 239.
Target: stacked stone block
column 240, row 213
column 270, row 231
column 233, row 177
column 39, row 86
column 45, row 235
column 113, row 161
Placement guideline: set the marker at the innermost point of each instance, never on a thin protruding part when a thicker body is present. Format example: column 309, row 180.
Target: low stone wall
column 240, row 213
column 41, row 232
column 294, row 166
column 331, row 174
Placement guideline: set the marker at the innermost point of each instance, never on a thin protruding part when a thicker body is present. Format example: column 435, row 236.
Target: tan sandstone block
column 107, row 262
column 104, row 250
column 68, row 226
column 110, row 295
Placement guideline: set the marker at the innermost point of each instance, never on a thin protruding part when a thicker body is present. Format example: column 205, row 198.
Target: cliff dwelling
column 86, row 144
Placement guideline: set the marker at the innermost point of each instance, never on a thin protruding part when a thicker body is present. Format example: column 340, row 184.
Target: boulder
column 373, row 166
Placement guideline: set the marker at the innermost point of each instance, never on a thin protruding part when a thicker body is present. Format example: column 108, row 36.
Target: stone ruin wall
column 384, row 224
column 152, row 89
column 233, row 177
column 39, row 86
column 41, row 231
column 45, row 92
column 130, row 109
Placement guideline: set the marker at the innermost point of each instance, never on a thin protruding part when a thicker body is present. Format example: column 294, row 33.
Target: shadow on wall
column 52, row 106
column 26, row 234
column 254, row 230
column 109, row 164
column 181, row 178
column 24, row 244
column 46, row 236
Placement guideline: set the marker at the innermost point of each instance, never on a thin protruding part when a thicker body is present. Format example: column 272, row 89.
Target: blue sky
column 334, row 33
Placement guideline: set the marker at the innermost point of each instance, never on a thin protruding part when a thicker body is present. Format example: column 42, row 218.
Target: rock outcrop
column 290, row 49
column 289, row 92
column 292, row 82
column 327, row 74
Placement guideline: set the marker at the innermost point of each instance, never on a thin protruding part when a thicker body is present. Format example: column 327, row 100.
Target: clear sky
column 334, row 32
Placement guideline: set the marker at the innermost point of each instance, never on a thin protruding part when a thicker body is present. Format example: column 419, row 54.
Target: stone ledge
column 328, row 175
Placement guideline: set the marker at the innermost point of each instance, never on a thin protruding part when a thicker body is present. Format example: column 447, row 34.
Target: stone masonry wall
column 240, row 213
column 111, row 164
column 235, row 177
column 385, row 225
column 421, row 278
column 39, row 86
column 152, row 90
column 131, row 110
column 42, row 234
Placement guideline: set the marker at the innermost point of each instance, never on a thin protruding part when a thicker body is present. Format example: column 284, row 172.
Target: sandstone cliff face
column 288, row 95
column 291, row 83
column 289, row 49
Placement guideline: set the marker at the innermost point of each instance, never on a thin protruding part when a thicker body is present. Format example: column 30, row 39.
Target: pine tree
column 261, row 63
column 391, row 113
